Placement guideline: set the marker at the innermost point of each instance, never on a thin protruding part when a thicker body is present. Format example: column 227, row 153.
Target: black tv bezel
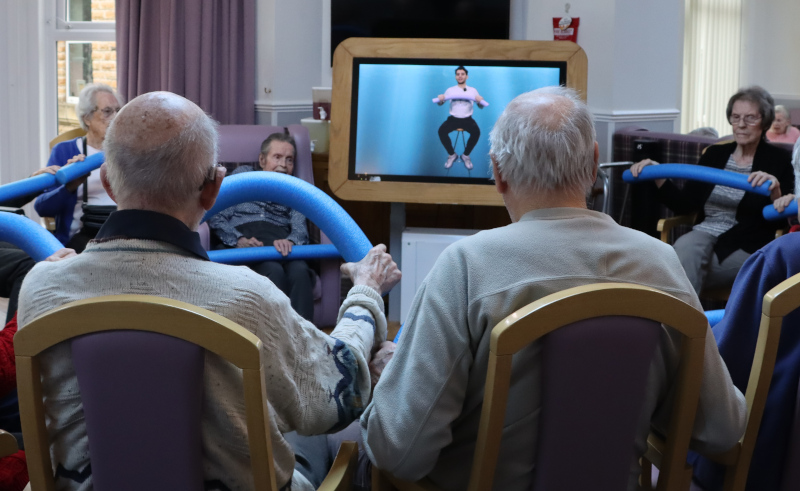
column 358, row 61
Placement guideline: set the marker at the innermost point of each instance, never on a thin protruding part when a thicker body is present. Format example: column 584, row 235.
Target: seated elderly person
column 82, row 205
column 736, row 335
column 782, row 130
column 261, row 222
column 161, row 154
column 730, row 225
column 424, row 415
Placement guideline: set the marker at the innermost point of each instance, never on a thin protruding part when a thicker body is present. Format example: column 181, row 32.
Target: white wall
column 595, row 36
column 770, row 46
column 22, row 139
column 289, row 54
column 635, row 52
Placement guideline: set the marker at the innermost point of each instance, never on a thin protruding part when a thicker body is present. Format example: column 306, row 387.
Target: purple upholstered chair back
column 594, row 374
column 791, row 468
column 142, row 397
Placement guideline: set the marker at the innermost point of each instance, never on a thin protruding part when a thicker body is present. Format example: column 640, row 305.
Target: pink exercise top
column 791, row 136
column 460, row 108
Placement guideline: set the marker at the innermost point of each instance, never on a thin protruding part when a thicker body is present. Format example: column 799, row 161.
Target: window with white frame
column 80, row 49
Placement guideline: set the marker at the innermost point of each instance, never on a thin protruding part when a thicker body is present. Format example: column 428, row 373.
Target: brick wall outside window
column 104, row 65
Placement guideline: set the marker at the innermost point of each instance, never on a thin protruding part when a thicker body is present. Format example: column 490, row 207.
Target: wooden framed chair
column 598, row 342
column 778, row 302
column 67, row 135
column 129, row 352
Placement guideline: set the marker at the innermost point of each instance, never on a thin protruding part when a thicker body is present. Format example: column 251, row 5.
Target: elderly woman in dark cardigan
column 730, row 225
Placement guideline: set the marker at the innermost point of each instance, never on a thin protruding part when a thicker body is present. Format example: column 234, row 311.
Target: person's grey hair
column 545, row 146
column 761, row 98
column 87, row 101
column 706, row 131
column 281, row 137
column 167, row 176
column 782, row 109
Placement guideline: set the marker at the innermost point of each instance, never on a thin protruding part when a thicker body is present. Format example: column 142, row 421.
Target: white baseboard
column 283, row 107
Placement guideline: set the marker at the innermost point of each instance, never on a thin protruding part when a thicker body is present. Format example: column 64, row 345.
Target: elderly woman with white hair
column 730, row 226
column 782, row 130
column 81, row 206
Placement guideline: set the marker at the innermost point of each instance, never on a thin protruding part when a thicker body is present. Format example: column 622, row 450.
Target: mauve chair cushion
column 594, row 374
column 142, row 396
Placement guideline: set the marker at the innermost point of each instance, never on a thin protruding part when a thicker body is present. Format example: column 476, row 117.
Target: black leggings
column 294, row 278
column 453, row 123
column 14, row 265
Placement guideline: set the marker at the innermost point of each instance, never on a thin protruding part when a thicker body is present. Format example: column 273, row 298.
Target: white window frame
column 55, row 27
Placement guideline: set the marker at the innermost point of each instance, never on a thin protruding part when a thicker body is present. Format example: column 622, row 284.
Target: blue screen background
column 397, row 125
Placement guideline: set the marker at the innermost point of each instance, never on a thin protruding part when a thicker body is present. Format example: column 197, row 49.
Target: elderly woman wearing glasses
column 730, row 225
column 81, row 206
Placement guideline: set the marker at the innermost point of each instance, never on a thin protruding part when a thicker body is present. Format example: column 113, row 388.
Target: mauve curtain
column 203, row 50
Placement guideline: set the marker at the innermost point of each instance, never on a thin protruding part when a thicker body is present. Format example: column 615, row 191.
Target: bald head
column 158, row 150
column 544, row 141
column 152, row 119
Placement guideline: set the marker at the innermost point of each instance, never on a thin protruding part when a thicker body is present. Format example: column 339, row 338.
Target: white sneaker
column 467, row 162
column 450, row 160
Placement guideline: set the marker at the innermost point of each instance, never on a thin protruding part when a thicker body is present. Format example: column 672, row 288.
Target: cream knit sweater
column 305, row 370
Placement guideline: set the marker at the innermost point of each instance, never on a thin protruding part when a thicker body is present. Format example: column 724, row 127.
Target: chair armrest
column 665, row 225
column 340, row 476
column 8, row 444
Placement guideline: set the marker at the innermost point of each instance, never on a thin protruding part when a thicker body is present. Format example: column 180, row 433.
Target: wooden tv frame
column 466, row 49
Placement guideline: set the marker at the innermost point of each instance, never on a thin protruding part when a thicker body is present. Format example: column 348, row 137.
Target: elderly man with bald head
column 161, row 171
column 423, row 418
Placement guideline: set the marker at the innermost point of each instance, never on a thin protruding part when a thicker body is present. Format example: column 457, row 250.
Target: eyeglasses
column 107, row 112
column 749, row 120
column 211, row 176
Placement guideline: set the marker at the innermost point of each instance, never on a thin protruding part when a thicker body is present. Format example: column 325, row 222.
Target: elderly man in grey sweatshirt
column 424, row 415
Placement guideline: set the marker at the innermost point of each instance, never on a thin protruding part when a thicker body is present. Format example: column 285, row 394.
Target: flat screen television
column 391, row 133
